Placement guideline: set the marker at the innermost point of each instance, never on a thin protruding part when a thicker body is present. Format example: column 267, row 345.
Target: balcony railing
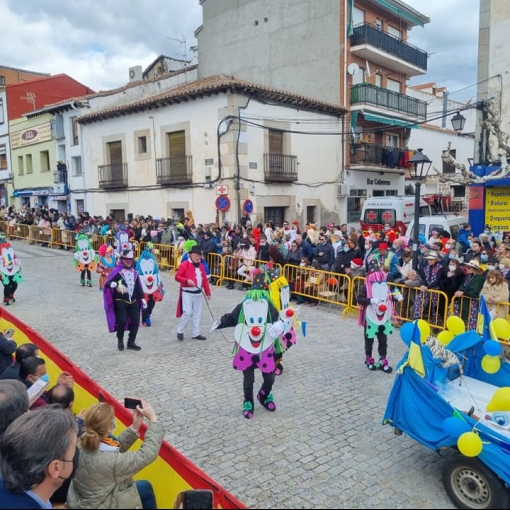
column 379, row 155
column 113, row 176
column 368, row 34
column 365, row 93
column 280, row 167
column 174, row 170
column 60, row 176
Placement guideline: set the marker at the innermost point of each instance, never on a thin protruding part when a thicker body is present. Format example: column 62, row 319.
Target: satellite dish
column 353, row 69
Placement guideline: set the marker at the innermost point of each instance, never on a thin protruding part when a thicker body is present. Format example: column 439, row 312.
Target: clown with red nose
column 150, row 279
column 376, row 315
column 85, row 258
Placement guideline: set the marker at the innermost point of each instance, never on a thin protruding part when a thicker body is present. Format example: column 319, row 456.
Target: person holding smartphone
column 104, row 478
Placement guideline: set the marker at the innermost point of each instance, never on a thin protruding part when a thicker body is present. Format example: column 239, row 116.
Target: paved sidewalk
column 324, row 447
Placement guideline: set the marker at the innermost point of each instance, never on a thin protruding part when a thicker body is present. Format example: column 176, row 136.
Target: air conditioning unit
column 135, row 73
column 342, row 190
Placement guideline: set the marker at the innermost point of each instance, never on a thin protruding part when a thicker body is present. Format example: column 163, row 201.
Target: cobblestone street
column 324, row 447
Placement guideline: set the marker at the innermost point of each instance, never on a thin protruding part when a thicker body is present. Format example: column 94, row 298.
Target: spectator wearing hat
column 123, row 300
column 193, row 281
column 471, row 287
column 426, row 305
column 386, row 259
column 337, row 241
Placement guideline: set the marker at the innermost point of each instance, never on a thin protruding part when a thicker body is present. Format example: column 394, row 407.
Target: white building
column 181, row 149
column 5, row 148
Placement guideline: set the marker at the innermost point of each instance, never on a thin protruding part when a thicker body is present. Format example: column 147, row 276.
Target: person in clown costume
column 10, row 266
column 185, row 256
column 150, row 279
column 107, row 261
column 279, row 291
column 85, row 258
column 122, row 242
column 257, row 339
column 376, row 315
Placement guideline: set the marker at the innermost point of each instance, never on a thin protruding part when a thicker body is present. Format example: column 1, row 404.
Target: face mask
column 395, row 246
column 486, row 231
column 45, row 378
column 502, row 266
column 451, row 255
column 452, row 267
column 422, row 252
column 386, row 229
column 491, row 268
column 484, row 257
column 346, row 248
column 448, row 247
column 302, row 264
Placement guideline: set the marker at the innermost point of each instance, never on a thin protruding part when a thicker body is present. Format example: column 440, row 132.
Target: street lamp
column 419, row 164
column 458, row 122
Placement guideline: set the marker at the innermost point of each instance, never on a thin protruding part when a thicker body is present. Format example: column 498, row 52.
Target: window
column 359, row 77
column 76, row 165
column 392, row 140
column 378, row 23
column 355, row 204
column 142, row 145
column 449, row 168
column 74, row 131
column 395, row 32
column 80, row 206
column 275, row 141
column 45, row 161
column 380, row 216
column 358, row 17
column 378, row 193
column 274, row 214
column 178, row 214
column 118, row 215
column 59, row 127
column 2, row 117
column 20, row 166
column 2, row 80
column 311, row 214
column 30, row 168
column 393, row 85
column 378, row 80
column 391, row 192
column 459, row 191
column 3, row 157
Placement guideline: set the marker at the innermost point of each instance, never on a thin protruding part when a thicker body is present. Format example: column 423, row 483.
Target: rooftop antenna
column 182, row 41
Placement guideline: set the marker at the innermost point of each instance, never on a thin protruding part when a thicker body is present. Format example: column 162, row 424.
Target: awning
column 389, row 120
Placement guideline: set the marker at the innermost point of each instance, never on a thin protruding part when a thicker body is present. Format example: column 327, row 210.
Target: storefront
column 34, row 197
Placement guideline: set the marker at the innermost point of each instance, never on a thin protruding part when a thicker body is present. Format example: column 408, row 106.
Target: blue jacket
column 463, row 237
column 10, row 499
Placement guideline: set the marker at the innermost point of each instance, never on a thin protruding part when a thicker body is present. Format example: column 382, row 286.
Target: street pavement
column 324, row 447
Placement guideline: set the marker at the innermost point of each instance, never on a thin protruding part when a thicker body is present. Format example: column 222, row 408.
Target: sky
column 97, row 45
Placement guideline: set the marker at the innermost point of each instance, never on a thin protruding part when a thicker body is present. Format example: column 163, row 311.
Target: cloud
column 96, row 42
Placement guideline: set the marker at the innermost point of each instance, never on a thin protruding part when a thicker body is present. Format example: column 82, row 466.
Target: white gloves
column 216, row 324
column 113, row 285
column 275, row 329
column 398, row 296
column 144, row 304
column 375, row 301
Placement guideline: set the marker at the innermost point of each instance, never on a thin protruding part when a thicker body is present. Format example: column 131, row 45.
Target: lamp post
column 420, row 165
column 458, row 122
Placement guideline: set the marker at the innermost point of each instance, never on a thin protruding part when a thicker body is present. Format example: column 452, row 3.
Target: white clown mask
column 9, row 262
column 85, row 252
column 379, row 313
column 251, row 335
column 149, row 276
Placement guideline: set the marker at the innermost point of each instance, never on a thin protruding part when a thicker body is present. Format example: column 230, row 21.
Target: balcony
column 174, row 170
column 384, row 99
column 113, row 176
column 60, row 176
column 370, row 154
column 280, row 168
column 376, row 46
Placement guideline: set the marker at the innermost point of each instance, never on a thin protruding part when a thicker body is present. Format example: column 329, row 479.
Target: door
column 177, row 151
column 115, row 161
column 275, row 151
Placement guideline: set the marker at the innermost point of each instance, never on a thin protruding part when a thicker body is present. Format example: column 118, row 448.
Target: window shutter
column 115, row 153
column 177, row 143
column 275, row 142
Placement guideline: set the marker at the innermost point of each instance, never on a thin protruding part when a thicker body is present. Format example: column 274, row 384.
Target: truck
column 397, row 211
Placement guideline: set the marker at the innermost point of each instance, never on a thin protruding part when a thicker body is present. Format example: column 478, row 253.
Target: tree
column 409, row 189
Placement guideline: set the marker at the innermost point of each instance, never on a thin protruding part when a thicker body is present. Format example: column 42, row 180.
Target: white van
column 398, row 211
column 452, row 223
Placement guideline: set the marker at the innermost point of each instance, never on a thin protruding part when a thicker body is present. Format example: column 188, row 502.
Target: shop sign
column 496, row 208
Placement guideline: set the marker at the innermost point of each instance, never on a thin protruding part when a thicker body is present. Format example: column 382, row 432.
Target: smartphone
column 199, row 499
column 9, row 333
column 132, row 403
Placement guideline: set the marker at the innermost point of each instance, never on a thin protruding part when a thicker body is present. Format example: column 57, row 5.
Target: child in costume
column 376, row 315
column 279, row 291
column 123, row 300
column 152, row 285
column 85, row 258
column 107, row 261
column 257, row 332
column 10, row 267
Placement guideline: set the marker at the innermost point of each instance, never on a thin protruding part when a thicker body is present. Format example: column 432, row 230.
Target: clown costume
column 257, row 332
column 376, row 315
column 85, row 258
column 150, row 279
column 107, row 261
column 10, row 267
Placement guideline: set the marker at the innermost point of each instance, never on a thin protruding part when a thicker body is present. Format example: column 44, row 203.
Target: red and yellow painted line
column 171, row 472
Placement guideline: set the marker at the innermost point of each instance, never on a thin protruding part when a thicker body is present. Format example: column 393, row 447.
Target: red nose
column 289, row 312
column 150, row 279
column 124, row 245
column 85, row 253
column 382, row 307
column 255, row 331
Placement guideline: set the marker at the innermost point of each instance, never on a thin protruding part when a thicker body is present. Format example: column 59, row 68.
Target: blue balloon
column 492, row 347
column 406, row 332
column 455, row 427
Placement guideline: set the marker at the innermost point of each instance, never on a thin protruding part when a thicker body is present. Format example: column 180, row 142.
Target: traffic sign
column 222, row 203
column 248, row 206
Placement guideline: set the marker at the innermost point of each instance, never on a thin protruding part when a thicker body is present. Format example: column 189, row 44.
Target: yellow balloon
column 500, row 401
column 445, row 337
column 491, row 364
column 424, row 330
column 470, row 444
column 501, row 328
column 455, row 325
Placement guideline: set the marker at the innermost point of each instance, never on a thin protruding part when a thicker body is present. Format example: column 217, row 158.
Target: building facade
column 10, row 75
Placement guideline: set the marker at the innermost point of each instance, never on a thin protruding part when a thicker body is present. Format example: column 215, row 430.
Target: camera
column 132, row 403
